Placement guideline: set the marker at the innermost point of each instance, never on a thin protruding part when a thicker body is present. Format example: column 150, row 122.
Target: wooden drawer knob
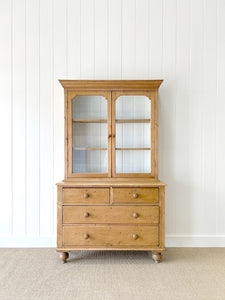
column 134, row 236
column 135, row 195
column 86, row 195
column 86, row 214
column 86, row 236
column 135, row 215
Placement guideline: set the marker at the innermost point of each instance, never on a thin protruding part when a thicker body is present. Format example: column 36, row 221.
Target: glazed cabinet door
column 89, row 131
column 133, row 131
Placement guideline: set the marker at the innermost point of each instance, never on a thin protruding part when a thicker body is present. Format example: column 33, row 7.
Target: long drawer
column 148, row 215
column 135, row 195
column 105, row 235
column 86, row 196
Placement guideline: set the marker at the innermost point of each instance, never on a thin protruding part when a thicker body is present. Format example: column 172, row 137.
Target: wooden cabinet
column 111, row 197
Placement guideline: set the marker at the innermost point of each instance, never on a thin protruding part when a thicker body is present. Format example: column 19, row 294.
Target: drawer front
column 148, row 215
column 86, row 196
column 115, row 235
column 135, row 195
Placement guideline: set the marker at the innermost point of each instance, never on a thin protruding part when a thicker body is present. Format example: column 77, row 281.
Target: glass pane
column 89, row 132
column 133, row 134
column 89, row 107
column 133, row 161
column 133, row 107
column 89, row 161
column 89, row 135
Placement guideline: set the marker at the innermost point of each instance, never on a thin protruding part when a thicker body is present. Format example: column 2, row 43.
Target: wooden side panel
column 85, row 196
column 135, row 195
column 115, row 235
column 59, row 216
column 143, row 215
column 162, row 217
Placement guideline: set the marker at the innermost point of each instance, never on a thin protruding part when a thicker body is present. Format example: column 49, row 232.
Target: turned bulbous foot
column 156, row 257
column 64, row 256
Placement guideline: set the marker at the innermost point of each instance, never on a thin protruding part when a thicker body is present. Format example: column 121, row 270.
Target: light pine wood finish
column 111, row 211
column 135, row 195
column 86, row 196
column 145, row 215
column 154, row 161
column 69, row 149
column 111, row 85
column 106, row 235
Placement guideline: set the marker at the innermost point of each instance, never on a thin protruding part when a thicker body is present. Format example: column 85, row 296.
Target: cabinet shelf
column 133, row 120
column 133, row 148
column 83, row 148
column 89, row 121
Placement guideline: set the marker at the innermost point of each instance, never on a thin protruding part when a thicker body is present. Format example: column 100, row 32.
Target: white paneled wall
column 180, row 41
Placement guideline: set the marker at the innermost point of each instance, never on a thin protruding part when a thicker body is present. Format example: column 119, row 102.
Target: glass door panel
column 133, row 134
column 89, row 134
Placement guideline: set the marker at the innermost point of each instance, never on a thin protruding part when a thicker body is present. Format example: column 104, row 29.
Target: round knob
column 86, row 236
column 109, row 136
column 86, row 195
column 86, row 214
column 113, row 135
column 134, row 236
column 135, row 195
column 135, row 215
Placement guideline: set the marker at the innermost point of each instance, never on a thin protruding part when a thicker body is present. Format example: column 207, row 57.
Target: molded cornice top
column 111, row 85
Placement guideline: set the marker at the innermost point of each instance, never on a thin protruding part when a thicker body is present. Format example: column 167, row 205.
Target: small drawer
column 105, row 235
column 135, row 195
column 144, row 215
column 85, row 196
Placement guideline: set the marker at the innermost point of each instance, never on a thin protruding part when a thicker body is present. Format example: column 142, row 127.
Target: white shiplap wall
column 181, row 41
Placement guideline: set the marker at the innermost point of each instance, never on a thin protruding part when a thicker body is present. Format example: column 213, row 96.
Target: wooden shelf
column 133, row 148
column 133, row 120
column 89, row 121
column 83, row 148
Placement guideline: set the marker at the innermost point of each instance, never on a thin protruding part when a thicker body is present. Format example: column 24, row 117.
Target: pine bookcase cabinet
column 111, row 197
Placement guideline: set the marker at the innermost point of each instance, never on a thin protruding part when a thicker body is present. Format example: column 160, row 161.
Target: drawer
column 111, row 214
column 135, row 195
column 105, row 235
column 85, row 196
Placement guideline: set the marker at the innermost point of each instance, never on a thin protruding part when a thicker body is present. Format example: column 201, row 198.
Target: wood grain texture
column 115, row 182
column 140, row 215
column 59, row 216
column 117, row 85
column 93, row 196
column 106, row 235
column 135, row 195
column 162, row 217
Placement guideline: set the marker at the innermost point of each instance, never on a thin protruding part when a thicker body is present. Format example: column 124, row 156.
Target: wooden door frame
column 69, row 96
column 152, row 95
